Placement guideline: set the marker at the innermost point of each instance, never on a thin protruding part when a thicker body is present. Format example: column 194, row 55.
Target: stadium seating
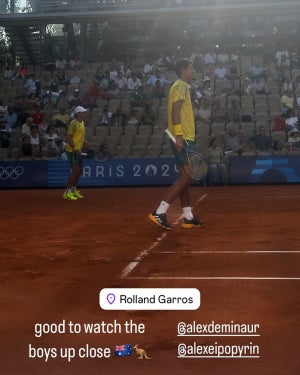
column 149, row 141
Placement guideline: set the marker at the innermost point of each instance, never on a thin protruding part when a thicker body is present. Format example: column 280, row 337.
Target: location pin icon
column 111, row 298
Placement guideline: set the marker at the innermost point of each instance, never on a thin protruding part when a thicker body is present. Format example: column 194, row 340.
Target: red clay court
column 57, row 255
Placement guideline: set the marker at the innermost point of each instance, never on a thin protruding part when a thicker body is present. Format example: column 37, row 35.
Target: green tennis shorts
column 181, row 157
column 74, row 158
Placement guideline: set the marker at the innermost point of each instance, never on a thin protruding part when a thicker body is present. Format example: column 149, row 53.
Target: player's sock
column 163, row 207
column 187, row 213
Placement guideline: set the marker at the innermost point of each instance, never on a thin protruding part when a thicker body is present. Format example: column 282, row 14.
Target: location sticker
column 150, row 299
column 111, row 298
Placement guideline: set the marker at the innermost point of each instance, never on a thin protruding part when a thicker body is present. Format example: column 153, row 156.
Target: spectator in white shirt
column 221, row 71
column 279, row 54
column 291, row 121
column 223, row 58
column 133, row 82
column 209, row 58
column 148, row 68
column 29, row 85
column 35, row 141
column 122, row 82
column 60, row 63
column 293, row 143
column 113, row 73
column 75, row 80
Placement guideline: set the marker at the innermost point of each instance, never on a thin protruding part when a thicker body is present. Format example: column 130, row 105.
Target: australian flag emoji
column 123, row 350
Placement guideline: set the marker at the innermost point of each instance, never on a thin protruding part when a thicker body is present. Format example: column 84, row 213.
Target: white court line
column 246, row 196
column 230, row 192
column 131, row 266
column 210, row 278
column 233, row 252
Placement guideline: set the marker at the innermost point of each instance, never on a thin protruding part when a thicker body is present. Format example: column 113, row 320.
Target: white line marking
column 229, row 194
column 233, row 252
column 252, row 194
column 210, row 278
column 131, row 266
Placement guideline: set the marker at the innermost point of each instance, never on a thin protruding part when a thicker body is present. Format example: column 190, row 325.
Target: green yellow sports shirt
column 180, row 91
column 77, row 130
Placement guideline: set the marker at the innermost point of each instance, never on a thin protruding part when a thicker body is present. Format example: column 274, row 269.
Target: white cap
column 295, row 130
column 79, row 109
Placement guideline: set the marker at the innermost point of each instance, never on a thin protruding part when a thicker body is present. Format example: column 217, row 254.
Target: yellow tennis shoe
column 77, row 194
column 69, row 196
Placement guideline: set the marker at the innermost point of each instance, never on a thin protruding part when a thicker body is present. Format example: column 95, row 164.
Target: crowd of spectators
column 243, row 104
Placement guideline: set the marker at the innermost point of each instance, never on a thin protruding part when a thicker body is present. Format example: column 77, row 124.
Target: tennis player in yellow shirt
column 182, row 125
column 75, row 143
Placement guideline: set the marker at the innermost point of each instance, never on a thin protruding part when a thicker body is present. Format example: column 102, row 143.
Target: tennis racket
column 86, row 144
column 195, row 164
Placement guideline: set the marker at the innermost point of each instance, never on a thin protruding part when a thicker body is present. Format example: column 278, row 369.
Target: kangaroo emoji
column 140, row 352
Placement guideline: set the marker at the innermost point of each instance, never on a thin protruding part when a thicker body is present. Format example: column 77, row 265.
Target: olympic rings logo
column 11, row 173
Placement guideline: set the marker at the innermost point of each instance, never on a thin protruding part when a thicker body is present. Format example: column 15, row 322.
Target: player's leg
column 176, row 190
column 179, row 188
column 77, row 173
column 75, row 162
column 68, row 194
column 159, row 215
column 189, row 220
